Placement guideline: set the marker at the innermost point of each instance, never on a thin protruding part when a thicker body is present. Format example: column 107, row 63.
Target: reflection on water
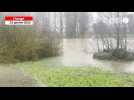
column 78, row 52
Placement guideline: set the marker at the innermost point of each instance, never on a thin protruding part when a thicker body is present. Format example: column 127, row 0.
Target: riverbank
column 47, row 74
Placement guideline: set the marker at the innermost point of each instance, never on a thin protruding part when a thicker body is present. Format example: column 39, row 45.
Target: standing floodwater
column 78, row 52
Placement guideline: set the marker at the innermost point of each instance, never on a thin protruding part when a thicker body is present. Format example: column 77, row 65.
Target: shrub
column 114, row 54
column 23, row 45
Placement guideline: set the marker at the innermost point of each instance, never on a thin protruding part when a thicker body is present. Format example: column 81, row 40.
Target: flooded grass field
column 47, row 74
column 77, row 68
column 65, row 49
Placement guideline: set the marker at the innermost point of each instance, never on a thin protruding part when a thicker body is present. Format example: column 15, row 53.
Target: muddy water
column 11, row 76
column 78, row 52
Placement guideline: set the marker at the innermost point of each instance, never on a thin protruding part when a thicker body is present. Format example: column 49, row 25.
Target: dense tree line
column 112, row 33
column 112, row 28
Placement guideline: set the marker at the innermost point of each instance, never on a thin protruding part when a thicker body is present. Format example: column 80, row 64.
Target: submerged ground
column 62, row 76
column 11, row 76
column 52, row 73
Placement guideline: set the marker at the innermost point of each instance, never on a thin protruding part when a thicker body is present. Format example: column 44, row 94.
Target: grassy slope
column 49, row 73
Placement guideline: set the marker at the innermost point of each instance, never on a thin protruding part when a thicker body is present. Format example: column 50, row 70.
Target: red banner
column 18, row 18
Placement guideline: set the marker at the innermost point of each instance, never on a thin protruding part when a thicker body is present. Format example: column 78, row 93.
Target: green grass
column 50, row 73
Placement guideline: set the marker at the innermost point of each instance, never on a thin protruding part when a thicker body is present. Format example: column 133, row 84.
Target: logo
column 18, row 20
